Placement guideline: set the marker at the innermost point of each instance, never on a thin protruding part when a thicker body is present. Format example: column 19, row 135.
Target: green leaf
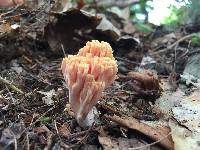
column 144, row 27
column 45, row 120
column 195, row 41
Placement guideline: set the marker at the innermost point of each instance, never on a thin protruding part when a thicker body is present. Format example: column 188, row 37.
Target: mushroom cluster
column 87, row 74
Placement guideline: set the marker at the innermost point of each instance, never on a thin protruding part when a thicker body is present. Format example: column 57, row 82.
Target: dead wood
column 156, row 134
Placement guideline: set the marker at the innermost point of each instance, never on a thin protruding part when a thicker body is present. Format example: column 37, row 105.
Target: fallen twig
column 12, row 86
column 9, row 11
column 79, row 143
column 13, row 99
column 28, row 144
column 127, row 60
column 82, row 133
column 55, row 124
column 177, row 42
column 33, row 123
column 155, row 134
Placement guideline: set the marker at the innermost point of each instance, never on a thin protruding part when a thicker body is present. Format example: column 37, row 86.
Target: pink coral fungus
column 87, row 74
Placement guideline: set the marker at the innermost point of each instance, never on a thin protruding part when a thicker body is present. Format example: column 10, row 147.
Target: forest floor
column 152, row 104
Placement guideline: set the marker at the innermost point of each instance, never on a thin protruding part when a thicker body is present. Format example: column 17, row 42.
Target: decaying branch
column 156, row 134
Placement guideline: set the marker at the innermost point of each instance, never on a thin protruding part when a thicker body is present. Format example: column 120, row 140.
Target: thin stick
column 75, row 135
column 12, row 86
column 55, row 124
column 44, row 114
column 13, row 99
column 182, row 39
column 63, row 50
column 78, row 144
column 15, row 141
column 28, row 144
column 127, row 60
column 151, row 144
column 9, row 11
column 177, row 42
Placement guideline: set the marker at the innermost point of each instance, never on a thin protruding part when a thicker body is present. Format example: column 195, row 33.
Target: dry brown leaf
column 64, row 130
column 5, row 28
column 72, row 28
column 40, row 130
column 183, row 138
column 145, row 83
column 187, row 113
column 111, row 143
column 28, row 120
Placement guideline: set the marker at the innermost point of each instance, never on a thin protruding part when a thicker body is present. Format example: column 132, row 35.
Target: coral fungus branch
column 87, row 74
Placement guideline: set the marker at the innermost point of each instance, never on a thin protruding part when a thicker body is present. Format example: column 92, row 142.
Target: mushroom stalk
column 89, row 119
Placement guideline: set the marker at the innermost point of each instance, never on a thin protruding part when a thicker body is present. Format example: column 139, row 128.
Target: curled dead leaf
column 145, row 84
column 42, row 129
column 74, row 27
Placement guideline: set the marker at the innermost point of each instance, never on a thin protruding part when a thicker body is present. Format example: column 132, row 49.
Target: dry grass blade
column 12, row 86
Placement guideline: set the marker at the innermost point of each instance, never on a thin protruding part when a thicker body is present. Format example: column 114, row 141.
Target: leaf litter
column 129, row 111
